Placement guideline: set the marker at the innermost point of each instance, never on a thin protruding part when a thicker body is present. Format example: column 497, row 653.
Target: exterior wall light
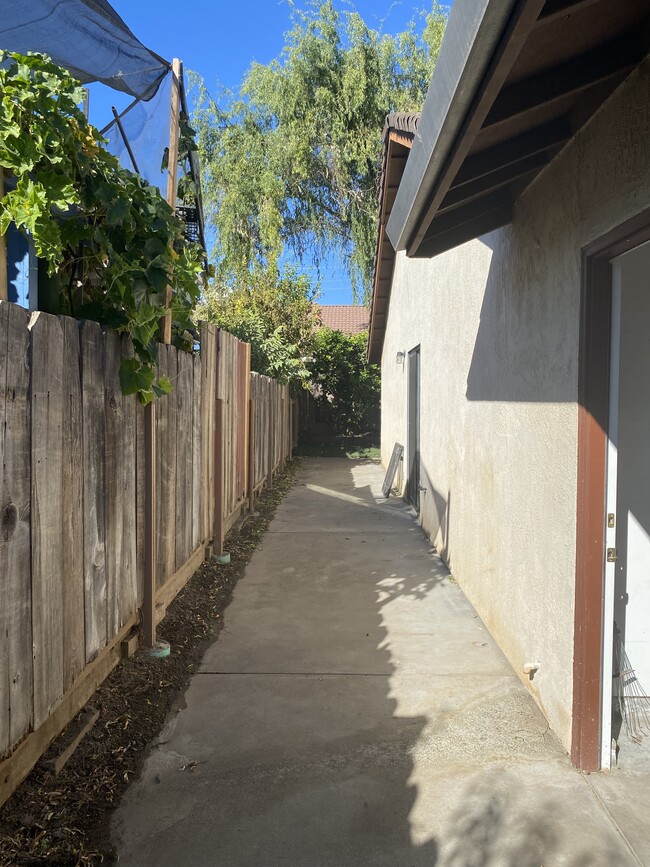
column 399, row 358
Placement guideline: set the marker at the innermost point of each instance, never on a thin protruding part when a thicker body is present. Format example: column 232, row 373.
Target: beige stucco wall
column 497, row 320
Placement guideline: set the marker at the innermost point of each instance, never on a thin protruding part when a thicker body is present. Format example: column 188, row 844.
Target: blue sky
column 220, row 40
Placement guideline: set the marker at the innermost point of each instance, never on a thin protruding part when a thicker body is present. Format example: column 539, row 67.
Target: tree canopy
column 290, row 162
column 275, row 314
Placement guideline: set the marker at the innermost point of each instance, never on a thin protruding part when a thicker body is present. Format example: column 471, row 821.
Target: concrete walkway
column 354, row 711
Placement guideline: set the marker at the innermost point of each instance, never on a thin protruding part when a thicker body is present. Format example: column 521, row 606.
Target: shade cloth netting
column 87, row 37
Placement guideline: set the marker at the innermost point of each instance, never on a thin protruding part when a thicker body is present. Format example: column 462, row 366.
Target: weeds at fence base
column 64, row 821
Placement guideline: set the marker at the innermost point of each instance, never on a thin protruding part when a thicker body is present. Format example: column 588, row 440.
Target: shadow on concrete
column 354, row 711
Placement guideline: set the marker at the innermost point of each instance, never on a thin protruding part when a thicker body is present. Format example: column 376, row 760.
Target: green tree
column 290, row 162
column 347, row 385
column 274, row 313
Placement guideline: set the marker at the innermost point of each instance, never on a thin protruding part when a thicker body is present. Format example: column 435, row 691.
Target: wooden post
column 4, row 288
column 248, row 434
column 283, row 430
column 218, row 478
column 293, row 404
column 149, row 599
column 172, row 171
column 290, row 434
column 270, row 444
column 251, row 455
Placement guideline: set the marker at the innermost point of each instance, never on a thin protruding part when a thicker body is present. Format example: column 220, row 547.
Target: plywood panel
column 15, row 558
column 47, row 521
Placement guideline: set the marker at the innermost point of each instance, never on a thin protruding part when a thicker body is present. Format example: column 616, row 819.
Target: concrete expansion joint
column 613, row 821
column 302, row 673
column 392, row 674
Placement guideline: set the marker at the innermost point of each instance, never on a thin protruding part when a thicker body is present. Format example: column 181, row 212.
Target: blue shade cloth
column 18, row 267
column 146, row 126
column 87, row 37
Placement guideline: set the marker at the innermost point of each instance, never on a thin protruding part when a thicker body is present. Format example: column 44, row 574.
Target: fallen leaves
column 64, row 821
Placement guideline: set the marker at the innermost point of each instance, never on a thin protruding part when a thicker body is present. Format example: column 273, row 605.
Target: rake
column 633, row 702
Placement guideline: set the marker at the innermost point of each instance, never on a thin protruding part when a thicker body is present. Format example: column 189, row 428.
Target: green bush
column 347, row 386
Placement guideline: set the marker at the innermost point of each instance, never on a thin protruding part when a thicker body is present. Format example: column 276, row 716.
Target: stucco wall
column 497, row 320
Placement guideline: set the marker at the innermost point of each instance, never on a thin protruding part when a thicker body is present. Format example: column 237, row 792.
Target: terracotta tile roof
column 348, row 318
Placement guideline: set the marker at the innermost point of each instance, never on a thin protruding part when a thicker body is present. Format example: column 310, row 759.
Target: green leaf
column 154, row 247
column 117, row 212
column 163, row 386
column 135, row 377
column 157, row 277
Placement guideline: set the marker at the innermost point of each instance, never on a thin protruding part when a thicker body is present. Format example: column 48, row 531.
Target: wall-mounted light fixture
column 399, row 358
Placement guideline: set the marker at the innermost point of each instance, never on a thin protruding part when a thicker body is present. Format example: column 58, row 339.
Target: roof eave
column 474, row 30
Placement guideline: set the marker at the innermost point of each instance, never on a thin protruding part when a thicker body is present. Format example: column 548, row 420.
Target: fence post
column 270, row 444
column 283, row 429
column 218, row 478
column 149, row 595
column 172, row 172
column 291, row 422
column 251, row 454
column 4, row 287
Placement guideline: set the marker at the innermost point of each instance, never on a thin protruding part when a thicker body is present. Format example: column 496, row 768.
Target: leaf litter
column 64, row 820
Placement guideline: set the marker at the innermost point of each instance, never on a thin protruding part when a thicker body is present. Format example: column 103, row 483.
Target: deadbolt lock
column 611, row 519
column 611, row 555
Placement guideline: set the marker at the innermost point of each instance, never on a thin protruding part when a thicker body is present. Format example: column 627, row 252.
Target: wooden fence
column 72, row 502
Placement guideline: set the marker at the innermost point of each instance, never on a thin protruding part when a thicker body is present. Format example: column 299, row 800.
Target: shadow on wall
column 440, row 520
column 523, row 349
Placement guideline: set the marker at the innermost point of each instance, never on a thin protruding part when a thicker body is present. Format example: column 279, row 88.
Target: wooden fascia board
column 385, row 254
column 402, row 138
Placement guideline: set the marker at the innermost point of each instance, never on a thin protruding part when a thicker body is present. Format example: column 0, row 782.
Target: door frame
column 413, row 479
column 593, row 425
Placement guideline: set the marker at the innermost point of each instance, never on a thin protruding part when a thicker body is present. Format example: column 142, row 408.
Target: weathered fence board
column 233, row 391
column 166, row 471
column 15, row 547
column 208, row 404
column 119, row 491
column 94, row 447
column 197, row 455
column 140, row 500
column 72, row 501
column 46, row 515
column 74, row 652
column 184, row 391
